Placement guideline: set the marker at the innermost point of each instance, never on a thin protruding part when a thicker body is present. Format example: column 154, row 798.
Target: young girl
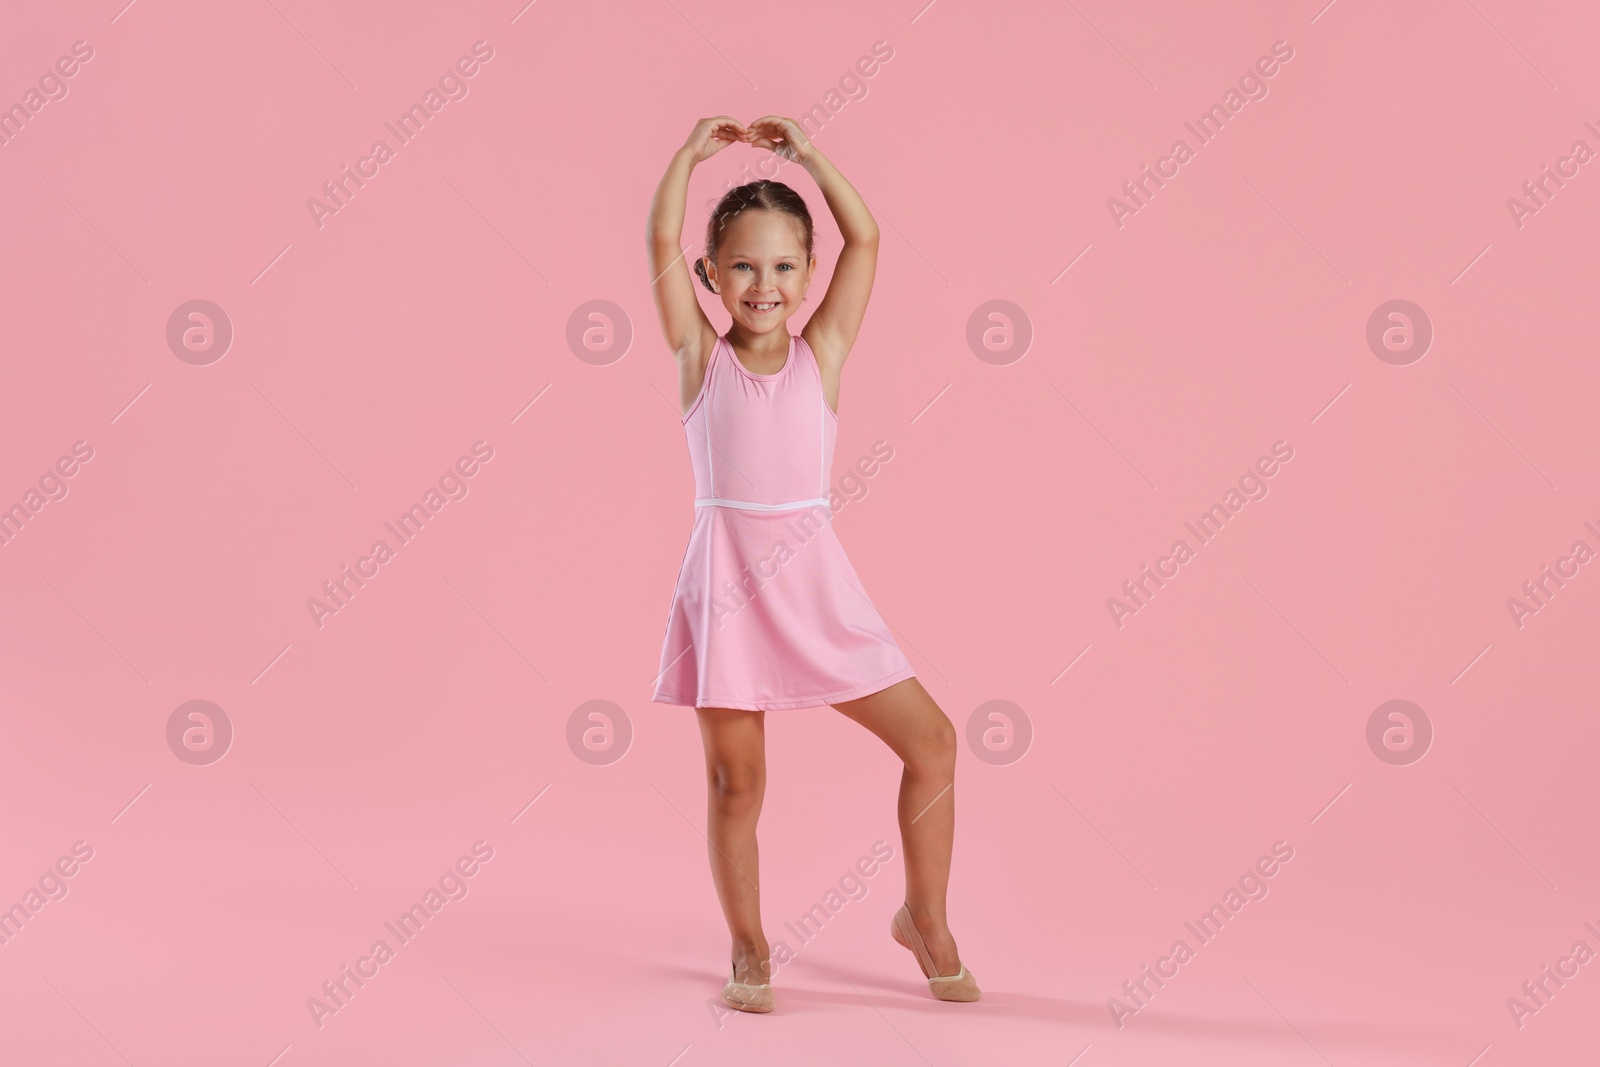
column 768, row 613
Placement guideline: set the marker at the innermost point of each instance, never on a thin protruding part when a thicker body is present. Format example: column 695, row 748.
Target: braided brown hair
column 763, row 195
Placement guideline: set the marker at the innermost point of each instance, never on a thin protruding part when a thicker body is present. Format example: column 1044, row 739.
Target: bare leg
column 736, row 781
column 915, row 728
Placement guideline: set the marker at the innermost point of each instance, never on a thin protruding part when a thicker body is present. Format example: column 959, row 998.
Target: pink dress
column 768, row 613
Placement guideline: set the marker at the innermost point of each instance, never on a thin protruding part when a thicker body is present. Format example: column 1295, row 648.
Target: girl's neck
column 761, row 347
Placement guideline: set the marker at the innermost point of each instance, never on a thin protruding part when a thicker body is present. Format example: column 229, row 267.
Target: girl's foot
column 940, row 943
column 946, row 981
column 749, row 987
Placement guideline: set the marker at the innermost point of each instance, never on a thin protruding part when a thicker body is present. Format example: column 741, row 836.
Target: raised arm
column 689, row 334
column 832, row 328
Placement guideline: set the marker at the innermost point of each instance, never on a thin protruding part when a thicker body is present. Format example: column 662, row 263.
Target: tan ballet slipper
column 746, row 996
column 960, row 986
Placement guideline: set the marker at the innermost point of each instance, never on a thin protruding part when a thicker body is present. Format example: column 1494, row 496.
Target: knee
column 736, row 786
column 935, row 750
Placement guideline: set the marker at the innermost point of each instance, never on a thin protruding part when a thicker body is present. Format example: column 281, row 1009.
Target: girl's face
column 761, row 271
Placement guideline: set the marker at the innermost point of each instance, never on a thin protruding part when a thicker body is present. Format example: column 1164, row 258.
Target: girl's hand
column 781, row 136
column 711, row 136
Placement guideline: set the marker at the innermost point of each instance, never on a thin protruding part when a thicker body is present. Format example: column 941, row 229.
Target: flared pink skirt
column 768, row 614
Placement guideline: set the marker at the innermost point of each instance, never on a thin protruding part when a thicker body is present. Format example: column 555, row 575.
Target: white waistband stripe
column 750, row 505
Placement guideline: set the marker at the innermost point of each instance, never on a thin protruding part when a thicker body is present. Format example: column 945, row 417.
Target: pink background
column 1230, row 713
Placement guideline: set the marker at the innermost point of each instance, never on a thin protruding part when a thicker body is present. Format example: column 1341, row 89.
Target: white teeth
column 763, row 307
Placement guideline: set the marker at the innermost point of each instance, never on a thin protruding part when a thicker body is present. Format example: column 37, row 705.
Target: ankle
column 752, row 961
column 929, row 921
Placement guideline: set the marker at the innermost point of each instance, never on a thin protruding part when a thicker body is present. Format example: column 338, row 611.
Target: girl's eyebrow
column 741, row 255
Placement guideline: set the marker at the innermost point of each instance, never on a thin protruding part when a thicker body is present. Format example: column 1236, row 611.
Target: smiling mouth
column 762, row 308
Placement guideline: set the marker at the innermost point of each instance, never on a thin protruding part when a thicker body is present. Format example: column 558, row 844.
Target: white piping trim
column 822, row 473
column 711, row 474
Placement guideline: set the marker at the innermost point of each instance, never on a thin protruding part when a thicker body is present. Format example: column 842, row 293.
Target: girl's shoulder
column 826, row 350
